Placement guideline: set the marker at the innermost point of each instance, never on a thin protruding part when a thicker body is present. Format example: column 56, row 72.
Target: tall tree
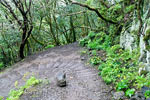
column 25, row 23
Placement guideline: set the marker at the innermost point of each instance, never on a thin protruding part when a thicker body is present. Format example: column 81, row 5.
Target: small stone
column 71, row 77
column 83, row 58
column 61, row 79
column 118, row 95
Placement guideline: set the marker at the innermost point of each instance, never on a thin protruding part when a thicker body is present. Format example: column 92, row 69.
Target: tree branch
column 6, row 5
column 95, row 10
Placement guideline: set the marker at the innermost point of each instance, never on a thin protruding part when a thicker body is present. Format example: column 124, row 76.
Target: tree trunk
column 72, row 29
column 24, row 41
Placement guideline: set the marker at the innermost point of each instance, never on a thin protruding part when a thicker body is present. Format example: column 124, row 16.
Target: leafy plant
column 95, row 60
column 15, row 94
column 91, row 35
column 83, row 41
column 93, row 45
column 129, row 8
column 123, row 85
column 147, row 94
column 142, row 81
column 49, row 46
column 83, row 52
column 1, row 98
column 130, row 92
column 108, row 80
column 94, row 52
column 1, row 65
column 101, row 66
column 32, row 81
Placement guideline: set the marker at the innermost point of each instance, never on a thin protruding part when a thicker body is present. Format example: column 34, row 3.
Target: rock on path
column 83, row 81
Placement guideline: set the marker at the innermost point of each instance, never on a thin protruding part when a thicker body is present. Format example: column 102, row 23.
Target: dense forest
column 120, row 29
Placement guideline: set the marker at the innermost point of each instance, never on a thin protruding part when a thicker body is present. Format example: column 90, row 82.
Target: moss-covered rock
column 147, row 38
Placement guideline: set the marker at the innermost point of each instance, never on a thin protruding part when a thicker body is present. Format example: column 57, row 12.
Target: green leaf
column 122, row 85
column 130, row 92
column 49, row 46
column 147, row 94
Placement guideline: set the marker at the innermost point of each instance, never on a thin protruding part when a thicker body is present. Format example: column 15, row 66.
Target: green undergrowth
column 120, row 67
column 15, row 94
column 1, row 65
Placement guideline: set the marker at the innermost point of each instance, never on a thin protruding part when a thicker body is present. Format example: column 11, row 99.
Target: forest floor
column 83, row 82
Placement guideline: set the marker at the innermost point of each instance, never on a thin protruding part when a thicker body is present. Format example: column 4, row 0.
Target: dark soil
column 83, row 82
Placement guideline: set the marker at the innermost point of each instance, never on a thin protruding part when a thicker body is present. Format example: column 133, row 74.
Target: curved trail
column 83, row 81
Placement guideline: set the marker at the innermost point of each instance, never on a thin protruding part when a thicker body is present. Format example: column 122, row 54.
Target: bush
column 94, row 45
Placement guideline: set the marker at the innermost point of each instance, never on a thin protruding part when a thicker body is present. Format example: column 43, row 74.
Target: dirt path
column 83, row 81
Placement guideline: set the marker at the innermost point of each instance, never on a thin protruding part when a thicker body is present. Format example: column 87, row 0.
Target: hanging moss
column 146, row 38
